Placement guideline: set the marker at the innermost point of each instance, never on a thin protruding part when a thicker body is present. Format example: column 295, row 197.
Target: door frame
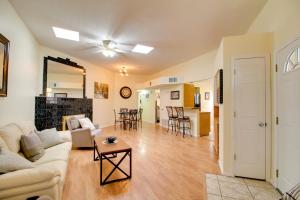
column 268, row 149
column 275, row 108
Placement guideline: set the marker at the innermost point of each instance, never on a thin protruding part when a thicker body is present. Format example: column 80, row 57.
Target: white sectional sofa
column 48, row 175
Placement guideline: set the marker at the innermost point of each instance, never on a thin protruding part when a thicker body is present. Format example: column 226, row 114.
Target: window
column 293, row 61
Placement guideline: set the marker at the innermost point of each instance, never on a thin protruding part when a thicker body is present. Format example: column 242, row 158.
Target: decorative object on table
column 175, row 95
column 100, row 90
column 125, row 92
column 206, row 95
column 4, row 57
column 111, row 139
column 219, row 87
column 62, row 95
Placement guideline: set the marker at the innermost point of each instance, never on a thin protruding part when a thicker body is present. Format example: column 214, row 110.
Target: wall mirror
column 63, row 78
column 4, row 52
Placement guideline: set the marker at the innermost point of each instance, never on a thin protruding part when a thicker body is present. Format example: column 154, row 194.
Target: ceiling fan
column 110, row 48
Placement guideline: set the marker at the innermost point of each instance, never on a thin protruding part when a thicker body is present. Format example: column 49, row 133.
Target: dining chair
column 184, row 122
column 118, row 120
column 140, row 118
column 171, row 119
column 133, row 119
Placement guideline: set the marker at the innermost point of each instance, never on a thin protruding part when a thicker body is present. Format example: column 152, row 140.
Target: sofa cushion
column 57, row 152
column 26, row 126
column 32, row 146
column 65, row 135
column 50, row 137
column 11, row 134
column 57, row 165
column 10, row 161
column 3, row 144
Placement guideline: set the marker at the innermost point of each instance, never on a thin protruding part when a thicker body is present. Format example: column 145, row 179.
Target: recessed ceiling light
column 66, row 34
column 142, row 49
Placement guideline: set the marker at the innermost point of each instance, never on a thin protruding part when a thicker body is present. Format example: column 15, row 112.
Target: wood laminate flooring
column 165, row 166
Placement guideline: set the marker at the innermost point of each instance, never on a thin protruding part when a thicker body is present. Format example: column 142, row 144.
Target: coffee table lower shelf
column 108, row 156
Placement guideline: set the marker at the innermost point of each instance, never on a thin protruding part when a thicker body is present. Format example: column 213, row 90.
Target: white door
column 250, row 117
column 288, row 110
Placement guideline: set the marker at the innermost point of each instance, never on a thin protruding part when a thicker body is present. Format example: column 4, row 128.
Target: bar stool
column 184, row 122
column 172, row 119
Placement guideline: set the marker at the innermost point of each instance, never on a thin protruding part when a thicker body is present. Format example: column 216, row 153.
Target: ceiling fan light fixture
column 108, row 53
column 123, row 72
column 142, row 49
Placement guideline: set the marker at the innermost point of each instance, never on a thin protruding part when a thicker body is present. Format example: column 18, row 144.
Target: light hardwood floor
column 165, row 166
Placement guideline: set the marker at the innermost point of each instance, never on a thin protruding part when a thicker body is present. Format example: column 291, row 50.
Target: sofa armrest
column 96, row 126
column 25, row 177
column 81, row 131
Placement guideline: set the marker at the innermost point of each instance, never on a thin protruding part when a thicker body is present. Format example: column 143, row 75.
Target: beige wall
column 282, row 19
column 165, row 100
column 196, row 69
column 131, row 81
column 246, row 45
column 23, row 67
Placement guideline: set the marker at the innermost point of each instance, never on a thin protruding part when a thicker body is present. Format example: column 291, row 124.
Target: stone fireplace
column 49, row 111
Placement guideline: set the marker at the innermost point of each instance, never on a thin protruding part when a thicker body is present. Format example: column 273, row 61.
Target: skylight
column 66, row 34
column 142, row 49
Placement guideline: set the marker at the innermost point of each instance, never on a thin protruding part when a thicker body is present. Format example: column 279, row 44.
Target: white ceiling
column 178, row 29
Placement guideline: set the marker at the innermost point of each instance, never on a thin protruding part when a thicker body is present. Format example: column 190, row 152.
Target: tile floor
column 231, row 188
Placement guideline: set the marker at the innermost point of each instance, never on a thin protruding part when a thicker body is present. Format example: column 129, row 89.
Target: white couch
column 48, row 175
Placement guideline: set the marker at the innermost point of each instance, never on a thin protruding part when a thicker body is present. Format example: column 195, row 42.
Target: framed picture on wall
column 219, row 87
column 175, row 95
column 61, row 95
column 100, row 90
column 206, row 95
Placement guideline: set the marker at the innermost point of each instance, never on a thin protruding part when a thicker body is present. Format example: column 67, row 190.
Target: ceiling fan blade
column 120, row 51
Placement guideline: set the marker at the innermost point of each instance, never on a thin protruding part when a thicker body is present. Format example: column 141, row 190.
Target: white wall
column 165, row 100
column 131, row 81
column 22, row 69
column 102, row 108
column 199, row 68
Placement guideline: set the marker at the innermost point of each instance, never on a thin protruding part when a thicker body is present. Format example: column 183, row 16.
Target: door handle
column 261, row 124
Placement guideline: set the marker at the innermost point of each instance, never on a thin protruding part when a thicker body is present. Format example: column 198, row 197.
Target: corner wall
column 22, row 68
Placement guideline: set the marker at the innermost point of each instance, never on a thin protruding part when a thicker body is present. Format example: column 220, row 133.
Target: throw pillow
column 86, row 123
column 32, row 147
column 10, row 162
column 74, row 123
column 293, row 194
column 11, row 135
column 50, row 137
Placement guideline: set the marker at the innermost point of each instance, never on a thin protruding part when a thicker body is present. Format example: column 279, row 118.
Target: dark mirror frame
column 5, row 42
column 65, row 62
